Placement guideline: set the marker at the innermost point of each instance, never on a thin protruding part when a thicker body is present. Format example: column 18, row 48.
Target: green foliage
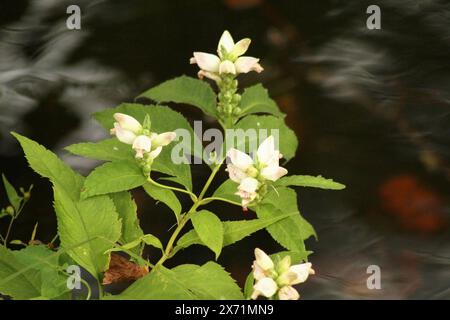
column 14, row 199
column 209, row 229
column 256, row 99
column 127, row 211
column 290, row 232
column 107, row 150
column 233, row 231
column 287, row 138
column 148, row 239
column 185, row 282
column 309, row 181
column 113, row 177
column 185, row 90
column 87, row 228
column 165, row 196
column 227, row 191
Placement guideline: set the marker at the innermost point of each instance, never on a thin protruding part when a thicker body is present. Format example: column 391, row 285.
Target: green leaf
column 87, row 228
column 248, row 286
column 148, row 239
column 256, row 99
column 185, row 90
column 113, row 177
column 166, row 196
column 48, row 165
column 227, row 191
column 163, row 119
column 106, row 150
column 233, row 231
column 13, row 197
column 309, row 181
column 46, row 263
column 292, row 231
column 264, row 126
column 25, row 285
column 153, row 241
column 185, row 282
column 210, row 230
column 127, row 210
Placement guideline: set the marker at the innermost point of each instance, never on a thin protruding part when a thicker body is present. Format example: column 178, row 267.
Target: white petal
column 302, row 271
column 192, row 60
column 207, row 61
column 248, row 185
column 227, row 67
column 266, row 151
column 210, row 75
column 142, row 144
column 226, row 41
column 164, row 139
column 288, row 293
column 265, row 287
column 247, row 64
column 258, row 272
column 236, row 174
column 241, row 47
column 123, row 135
column 273, row 172
column 263, row 260
column 127, row 122
column 152, row 155
column 240, row 159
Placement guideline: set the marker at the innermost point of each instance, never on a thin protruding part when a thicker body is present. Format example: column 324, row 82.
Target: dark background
column 370, row 107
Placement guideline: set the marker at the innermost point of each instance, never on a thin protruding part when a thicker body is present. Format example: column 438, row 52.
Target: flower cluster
column 277, row 281
column 229, row 59
column 252, row 174
column 147, row 145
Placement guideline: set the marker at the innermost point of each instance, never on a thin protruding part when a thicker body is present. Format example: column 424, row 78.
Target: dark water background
column 371, row 109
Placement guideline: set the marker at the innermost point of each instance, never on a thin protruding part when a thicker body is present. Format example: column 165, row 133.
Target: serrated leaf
column 113, row 177
column 255, row 99
column 26, row 285
column 13, row 197
column 260, row 128
column 46, row 263
column 166, row 196
column 93, row 223
column 233, row 231
column 153, row 241
column 292, row 231
column 309, row 181
column 127, row 210
column 185, row 90
column 185, row 282
column 87, row 228
column 106, row 150
column 209, row 229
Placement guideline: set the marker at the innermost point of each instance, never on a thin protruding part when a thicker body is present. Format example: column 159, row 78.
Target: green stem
column 5, row 241
column 192, row 195
column 206, row 200
column 186, row 217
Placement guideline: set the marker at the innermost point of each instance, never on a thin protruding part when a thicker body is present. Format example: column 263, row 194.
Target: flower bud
column 127, row 122
column 288, row 293
column 284, row 264
column 263, row 260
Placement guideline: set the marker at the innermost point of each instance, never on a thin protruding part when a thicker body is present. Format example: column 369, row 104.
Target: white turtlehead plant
column 229, row 59
column 276, row 281
column 128, row 130
column 250, row 173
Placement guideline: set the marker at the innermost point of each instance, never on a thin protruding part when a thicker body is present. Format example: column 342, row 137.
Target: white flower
column 288, row 293
column 126, row 129
column 142, row 144
column 266, row 287
column 296, row 274
column 163, row 139
column 228, row 61
column 248, row 172
column 263, row 260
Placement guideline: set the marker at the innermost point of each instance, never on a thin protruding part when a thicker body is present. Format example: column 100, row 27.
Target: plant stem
column 186, row 217
column 220, row 199
column 192, row 195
